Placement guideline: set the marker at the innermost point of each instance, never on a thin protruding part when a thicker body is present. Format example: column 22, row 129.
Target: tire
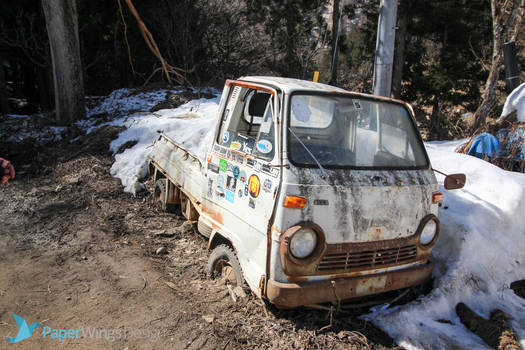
column 160, row 195
column 223, row 262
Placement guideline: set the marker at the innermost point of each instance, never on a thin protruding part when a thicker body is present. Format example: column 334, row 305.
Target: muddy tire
column 160, row 196
column 223, row 262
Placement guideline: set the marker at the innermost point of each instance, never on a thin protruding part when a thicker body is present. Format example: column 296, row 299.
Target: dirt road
column 76, row 253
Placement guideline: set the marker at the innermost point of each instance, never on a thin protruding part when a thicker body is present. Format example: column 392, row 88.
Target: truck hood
column 361, row 205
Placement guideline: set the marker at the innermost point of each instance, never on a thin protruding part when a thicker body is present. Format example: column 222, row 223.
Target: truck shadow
column 346, row 323
column 342, row 325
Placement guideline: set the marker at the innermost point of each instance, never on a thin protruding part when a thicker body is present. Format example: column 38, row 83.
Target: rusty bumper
column 286, row 295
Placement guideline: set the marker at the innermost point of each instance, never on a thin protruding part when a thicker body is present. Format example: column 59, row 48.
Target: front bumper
column 287, row 295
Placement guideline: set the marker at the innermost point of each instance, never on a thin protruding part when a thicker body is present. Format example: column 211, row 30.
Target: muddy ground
column 78, row 252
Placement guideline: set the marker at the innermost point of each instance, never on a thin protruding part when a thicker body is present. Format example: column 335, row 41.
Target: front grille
column 368, row 258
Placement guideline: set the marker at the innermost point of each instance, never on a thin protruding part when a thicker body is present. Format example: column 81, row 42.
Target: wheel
column 224, row 262
column 160, row 196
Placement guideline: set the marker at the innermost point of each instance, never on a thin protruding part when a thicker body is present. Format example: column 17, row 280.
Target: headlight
column 429, row 232
column 303, row 243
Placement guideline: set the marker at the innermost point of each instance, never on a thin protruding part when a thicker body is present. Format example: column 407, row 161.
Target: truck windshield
column 355, row 132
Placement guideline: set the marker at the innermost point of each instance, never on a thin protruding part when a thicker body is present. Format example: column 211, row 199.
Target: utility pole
column 384, row 59
column 336, row 19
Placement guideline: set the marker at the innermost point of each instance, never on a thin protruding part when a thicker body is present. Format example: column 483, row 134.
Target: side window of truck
column 247, row 123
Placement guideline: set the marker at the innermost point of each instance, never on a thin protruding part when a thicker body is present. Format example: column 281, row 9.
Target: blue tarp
column 506, row 142
column 484, row 144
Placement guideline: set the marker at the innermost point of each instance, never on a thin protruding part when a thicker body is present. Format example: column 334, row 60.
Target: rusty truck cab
column 356, row 212
column 324, row 194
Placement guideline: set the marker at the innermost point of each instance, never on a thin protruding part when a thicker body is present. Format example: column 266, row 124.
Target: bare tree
column 62, row 30
column 507, row 17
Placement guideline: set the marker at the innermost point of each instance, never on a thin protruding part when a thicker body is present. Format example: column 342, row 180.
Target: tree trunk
column 489, row 95
column 45, row 88
column 505, row 25
column 4, row 101
column 62, row 29
column 399, row 54
column 335, row 38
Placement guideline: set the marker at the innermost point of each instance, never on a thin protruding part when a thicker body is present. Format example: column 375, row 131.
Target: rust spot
column 295, row 279
column 276, row 232
column 215, row 216
column 286, row 295
column 250, row 85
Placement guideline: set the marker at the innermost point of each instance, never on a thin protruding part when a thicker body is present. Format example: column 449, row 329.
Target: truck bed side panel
column 180, row 166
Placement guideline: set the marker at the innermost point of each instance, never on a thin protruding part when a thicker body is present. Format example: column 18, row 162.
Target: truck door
column 242, row 183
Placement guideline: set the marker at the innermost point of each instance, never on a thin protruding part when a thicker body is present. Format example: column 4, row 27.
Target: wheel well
column 219, row 239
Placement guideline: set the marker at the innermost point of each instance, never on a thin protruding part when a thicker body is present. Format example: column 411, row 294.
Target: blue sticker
column 236, row 172
column 240, row 194
column 230, row 196
column 246, row 189
column 264, row 146
column 225, row 137
column 220, row 180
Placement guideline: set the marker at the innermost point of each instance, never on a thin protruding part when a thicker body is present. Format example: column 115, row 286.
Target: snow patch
column 191, row 125
column 515, row 102
column 480, row 251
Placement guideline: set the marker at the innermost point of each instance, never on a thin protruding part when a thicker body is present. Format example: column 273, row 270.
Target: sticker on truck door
column 236, row 172
column 230, row 196
column 231, row 183
column 213, row 168
column 267, row 186
column 223, row 165
column 254, row 186
column 225, row 137
column 264, row 146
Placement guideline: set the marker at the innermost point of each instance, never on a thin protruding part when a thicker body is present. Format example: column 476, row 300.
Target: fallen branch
column 152, row 45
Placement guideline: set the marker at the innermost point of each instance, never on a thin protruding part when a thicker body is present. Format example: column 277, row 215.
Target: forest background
column 445, row 50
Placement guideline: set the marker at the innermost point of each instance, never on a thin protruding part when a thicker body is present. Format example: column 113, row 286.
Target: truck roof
column 290, row 84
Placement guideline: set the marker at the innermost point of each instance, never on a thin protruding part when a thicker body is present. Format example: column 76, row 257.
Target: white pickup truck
column 310, row 194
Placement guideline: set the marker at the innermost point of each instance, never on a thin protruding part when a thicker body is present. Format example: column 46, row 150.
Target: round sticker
column 225, row 137
column 236, row 172
column 264, row 146
column 254, row 186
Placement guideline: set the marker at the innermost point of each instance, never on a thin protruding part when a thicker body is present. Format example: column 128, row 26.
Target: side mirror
column 455, row 181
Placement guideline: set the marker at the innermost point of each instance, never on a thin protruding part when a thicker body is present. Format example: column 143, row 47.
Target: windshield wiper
column 310, row 153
